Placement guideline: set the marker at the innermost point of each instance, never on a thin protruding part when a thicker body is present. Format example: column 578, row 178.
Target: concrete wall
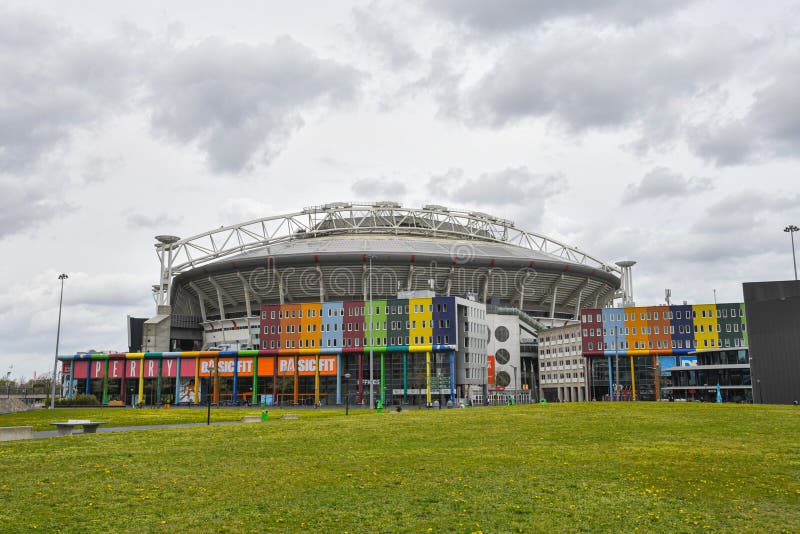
column 12, row 405
column 773, row 318
column 13, row 433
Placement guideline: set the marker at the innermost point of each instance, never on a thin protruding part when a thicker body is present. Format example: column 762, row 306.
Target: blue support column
column 610, row 378
column 177, row 380
column 452, row 377
column 338, row 379
column 88, row 377
column 236, row 377
column 71, row 374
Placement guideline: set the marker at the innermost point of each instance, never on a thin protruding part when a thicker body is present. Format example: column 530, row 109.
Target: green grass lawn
column 41, row 419
column 651, row 467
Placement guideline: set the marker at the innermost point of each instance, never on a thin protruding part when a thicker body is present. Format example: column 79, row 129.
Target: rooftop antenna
column 667, row 295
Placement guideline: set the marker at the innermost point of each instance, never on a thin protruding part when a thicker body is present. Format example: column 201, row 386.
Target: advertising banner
column 186, row 390
column 688, row 361
column 116, row 368
column 266, row 366
column 97, row 368
column 225, row 366
column 169, row 367
column 133, row 368
column 490, row 369
column 187, row 367
column 80, row 369
column 307, row 365
column 665, row 362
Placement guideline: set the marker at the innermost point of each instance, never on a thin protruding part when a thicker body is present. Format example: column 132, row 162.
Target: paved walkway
column 103, row 430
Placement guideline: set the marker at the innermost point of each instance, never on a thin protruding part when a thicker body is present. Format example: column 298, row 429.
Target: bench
column 89, row 427
column 11, row 433
column 251, row 419
column 289, row 416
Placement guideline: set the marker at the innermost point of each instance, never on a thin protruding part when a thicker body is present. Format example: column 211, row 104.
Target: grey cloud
column 158, row 222
column 509, row 15
column 239, row 103
column 587, row 80
column 95, row 306
column 740, row 228
column 382, row 188
column 514, row 193
column 25, row 204
column 770, row 128
column 383, row 40
column 725, row 144
column 54, row 82
column 512, row 186
column 746, row 210
column 664, row 183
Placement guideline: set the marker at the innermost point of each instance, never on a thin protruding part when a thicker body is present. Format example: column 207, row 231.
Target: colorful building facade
column 307, row 351
column 627, row 347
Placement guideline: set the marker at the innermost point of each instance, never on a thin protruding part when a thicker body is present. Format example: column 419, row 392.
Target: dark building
column 773, row 317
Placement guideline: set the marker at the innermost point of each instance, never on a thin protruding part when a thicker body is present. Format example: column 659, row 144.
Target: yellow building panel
column 420, row 316
column 705, row 326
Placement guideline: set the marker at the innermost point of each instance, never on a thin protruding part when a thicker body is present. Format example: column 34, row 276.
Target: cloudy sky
column 667, row 132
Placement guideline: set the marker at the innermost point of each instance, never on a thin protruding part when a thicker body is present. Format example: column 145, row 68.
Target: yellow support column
column 141, row 381
column 633, row 379
column 428, row 377
column 196, row 379
column 316, row 383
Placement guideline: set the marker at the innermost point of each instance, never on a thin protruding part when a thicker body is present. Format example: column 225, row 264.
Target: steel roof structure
column 330, row 252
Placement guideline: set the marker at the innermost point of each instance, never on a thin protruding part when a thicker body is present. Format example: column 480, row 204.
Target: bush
column 79, row 400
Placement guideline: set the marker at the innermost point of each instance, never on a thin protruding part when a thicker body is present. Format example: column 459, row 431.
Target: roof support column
column 219, row 297
column 321, row 285
column 486, row 285
column 246, row 288
column 450, row 281
column 279, row 278
column 553, row 303
column 578, row 304
column 202, row 297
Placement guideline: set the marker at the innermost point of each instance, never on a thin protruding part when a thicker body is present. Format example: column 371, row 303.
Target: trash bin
column 264, row 415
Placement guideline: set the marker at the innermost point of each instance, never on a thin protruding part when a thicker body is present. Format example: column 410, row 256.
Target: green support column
column 405, row 378
column 383, row 379
column 105, row 384
column 158, row 381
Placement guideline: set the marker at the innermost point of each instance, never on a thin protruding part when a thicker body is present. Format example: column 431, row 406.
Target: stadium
column 422, row 305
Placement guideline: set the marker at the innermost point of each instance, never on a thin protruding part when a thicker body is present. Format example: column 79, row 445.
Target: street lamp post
column 347, row 393
column 791, row 229
column 61, row 277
